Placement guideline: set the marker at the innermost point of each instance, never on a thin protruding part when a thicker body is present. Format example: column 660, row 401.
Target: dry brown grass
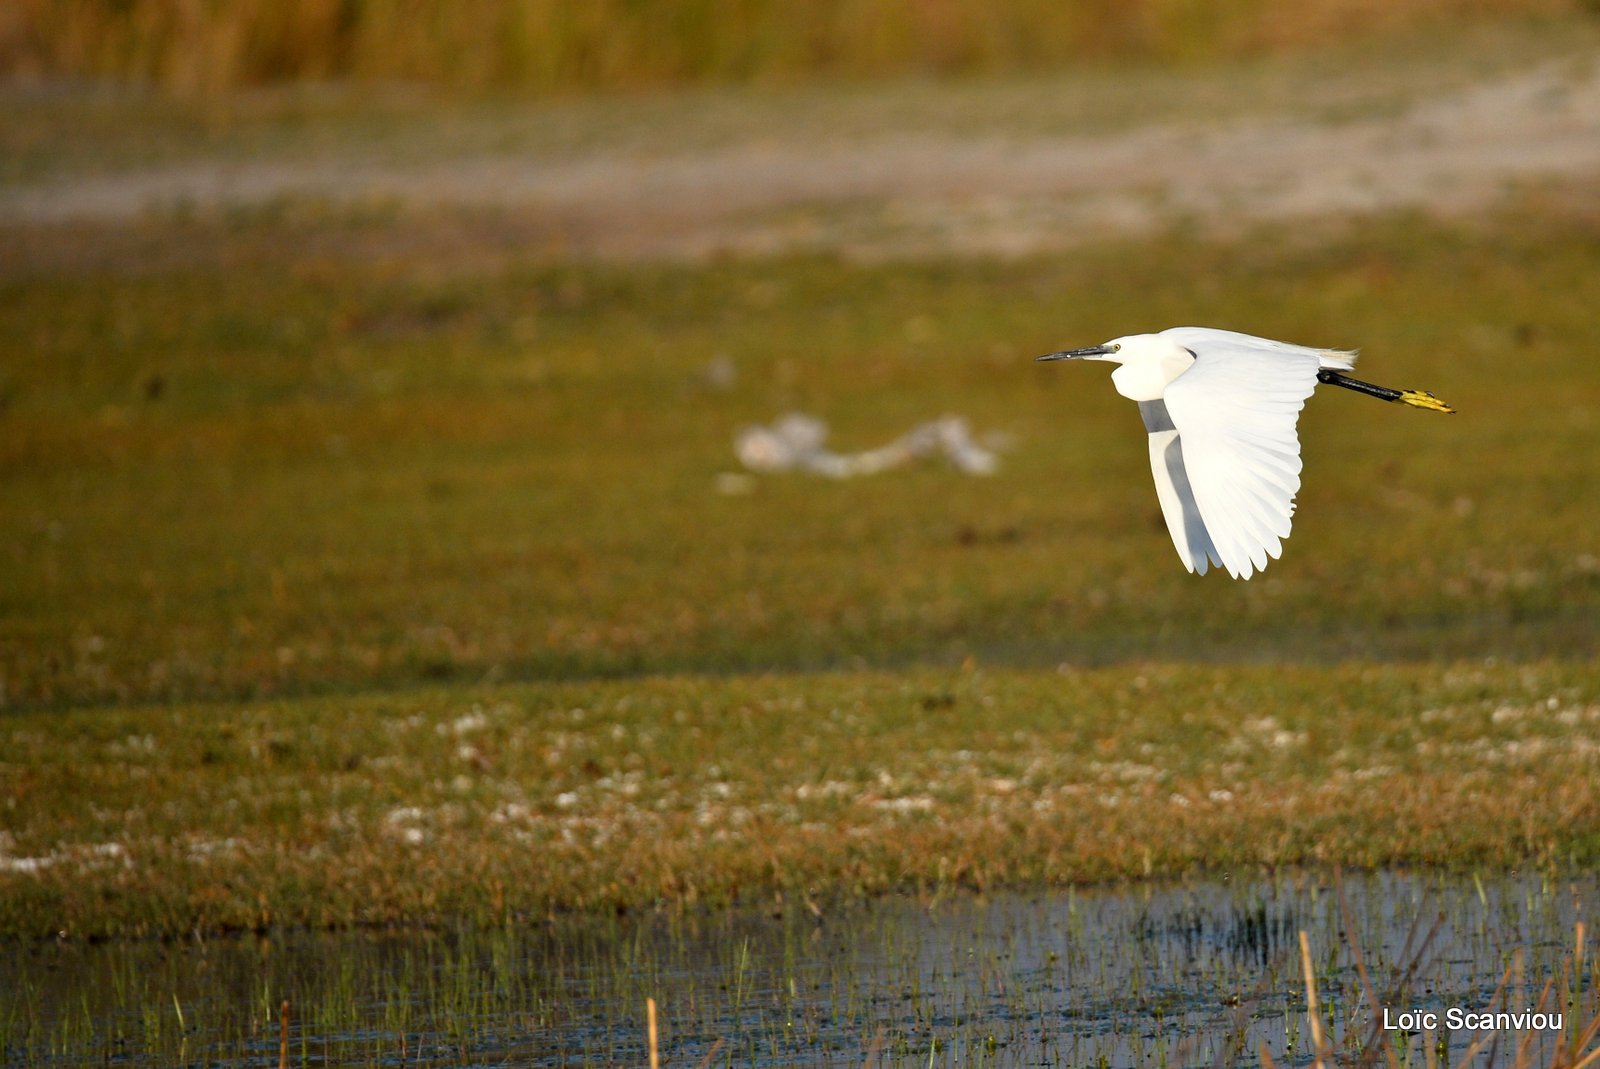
column 544, row 45
column 490, row 803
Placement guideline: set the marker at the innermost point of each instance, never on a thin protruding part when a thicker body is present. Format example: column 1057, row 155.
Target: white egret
column 1220, row 408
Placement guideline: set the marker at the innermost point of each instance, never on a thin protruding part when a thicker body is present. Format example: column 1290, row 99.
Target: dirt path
column 893, row 195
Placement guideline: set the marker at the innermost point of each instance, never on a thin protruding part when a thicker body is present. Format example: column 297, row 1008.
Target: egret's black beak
column 1076, row 354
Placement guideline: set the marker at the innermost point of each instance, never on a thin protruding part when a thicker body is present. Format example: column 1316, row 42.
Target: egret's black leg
column 1414, row 398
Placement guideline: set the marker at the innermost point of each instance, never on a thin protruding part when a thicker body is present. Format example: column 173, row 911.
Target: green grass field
column 504, row 802
column 347, row 581
column 292, row 477
column 339, row 593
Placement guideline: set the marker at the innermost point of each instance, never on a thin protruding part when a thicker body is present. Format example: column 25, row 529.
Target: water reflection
column 1174, row 974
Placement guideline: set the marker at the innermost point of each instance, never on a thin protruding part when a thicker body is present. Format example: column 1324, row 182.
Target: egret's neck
column 1144, row 376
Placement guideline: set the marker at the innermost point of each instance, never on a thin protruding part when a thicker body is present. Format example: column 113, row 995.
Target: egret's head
column 1132, row 347
column 1146, row 363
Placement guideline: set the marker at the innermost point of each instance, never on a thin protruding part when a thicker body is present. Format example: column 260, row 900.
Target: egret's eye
column 1116, row 348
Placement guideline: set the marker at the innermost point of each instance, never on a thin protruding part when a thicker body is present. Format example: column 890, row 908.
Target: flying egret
column 1220, row 408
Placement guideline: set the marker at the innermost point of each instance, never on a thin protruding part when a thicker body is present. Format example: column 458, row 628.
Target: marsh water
column 1193, row 973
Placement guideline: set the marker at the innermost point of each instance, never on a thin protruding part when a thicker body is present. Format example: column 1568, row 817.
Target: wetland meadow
column 399, row 667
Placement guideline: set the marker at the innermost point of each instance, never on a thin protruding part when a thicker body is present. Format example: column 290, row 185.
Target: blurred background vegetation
column 193, row 47
column 309, row 444
column 309, row 427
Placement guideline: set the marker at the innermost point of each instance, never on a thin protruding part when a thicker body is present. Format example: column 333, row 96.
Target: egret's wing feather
column 1178, row 506
column 1234, row 410
column 1209, row 339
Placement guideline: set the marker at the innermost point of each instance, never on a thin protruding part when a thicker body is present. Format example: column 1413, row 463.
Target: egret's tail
column 1337, row 359
column 1414, row 398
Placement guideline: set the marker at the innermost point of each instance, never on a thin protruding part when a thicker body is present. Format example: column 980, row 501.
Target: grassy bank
column 245, row 474
column 542, row 45
column 492, row 803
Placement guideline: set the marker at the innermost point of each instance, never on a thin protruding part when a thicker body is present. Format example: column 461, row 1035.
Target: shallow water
column 1151, row 975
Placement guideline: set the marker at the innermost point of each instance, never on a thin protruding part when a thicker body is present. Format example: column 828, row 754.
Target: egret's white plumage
column 1220, row 408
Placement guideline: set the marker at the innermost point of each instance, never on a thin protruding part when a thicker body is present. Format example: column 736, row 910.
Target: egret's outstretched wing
column 1172, row 489
column 1207, row 339
column 1234, row 411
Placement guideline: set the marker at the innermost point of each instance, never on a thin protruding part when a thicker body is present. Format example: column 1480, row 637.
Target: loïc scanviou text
column 1457, row 1019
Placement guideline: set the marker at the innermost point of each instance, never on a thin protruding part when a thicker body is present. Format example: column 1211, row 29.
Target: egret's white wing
column 1234, row 411
column 1178, row 507
column 1207, row 339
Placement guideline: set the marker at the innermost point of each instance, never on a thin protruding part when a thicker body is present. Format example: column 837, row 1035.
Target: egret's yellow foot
column 1423, row 399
